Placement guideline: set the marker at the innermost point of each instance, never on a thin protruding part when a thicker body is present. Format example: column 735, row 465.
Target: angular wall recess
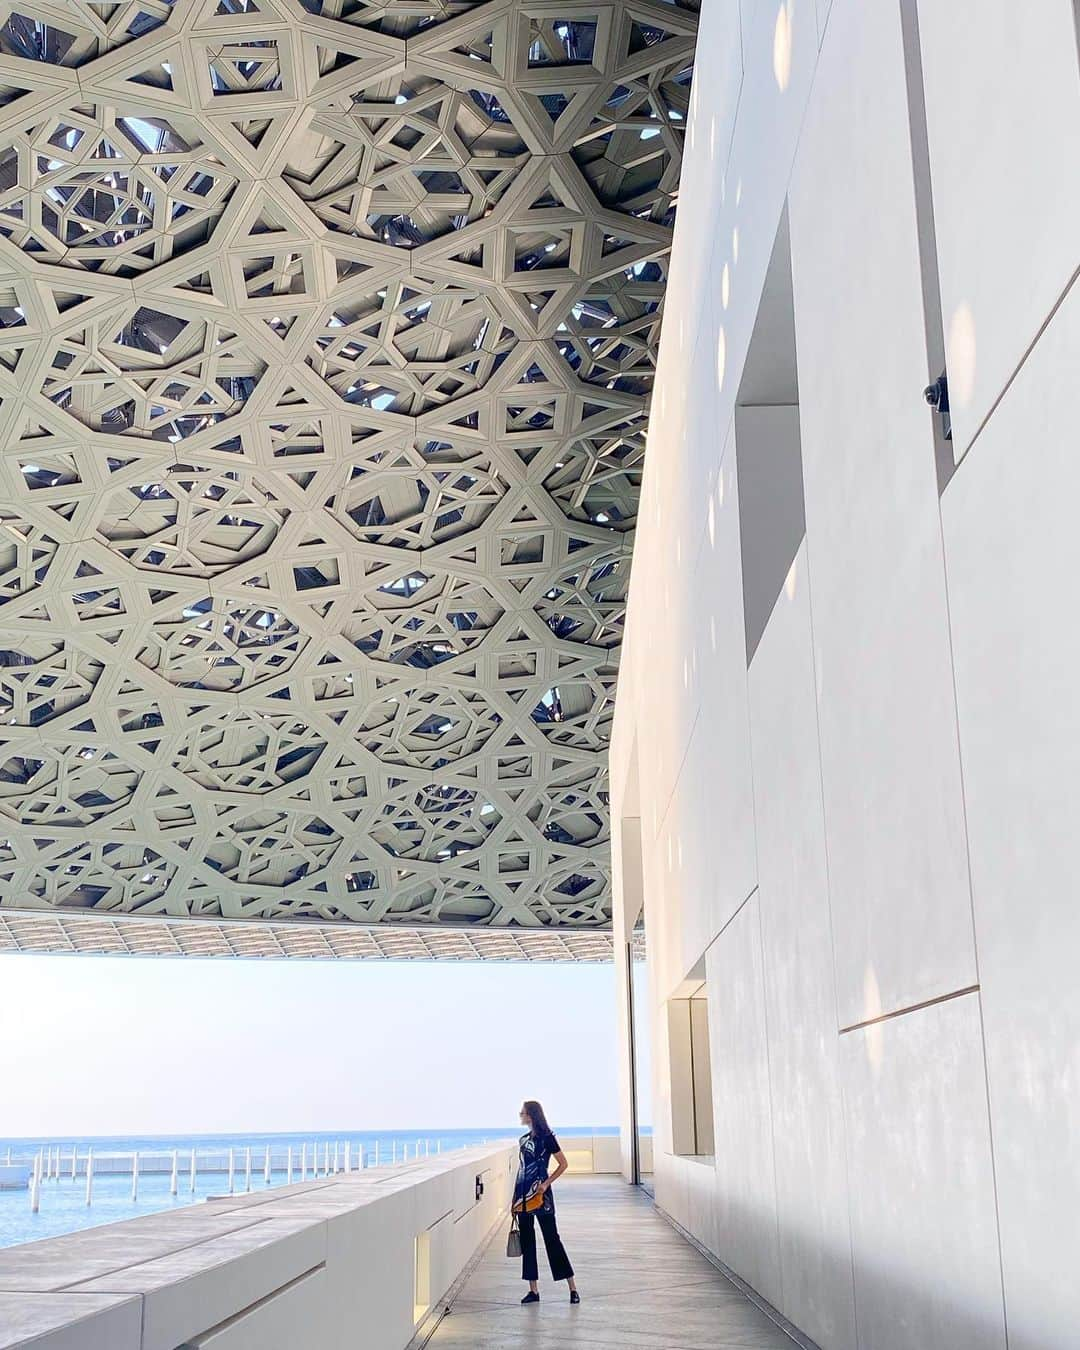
column 772, row 520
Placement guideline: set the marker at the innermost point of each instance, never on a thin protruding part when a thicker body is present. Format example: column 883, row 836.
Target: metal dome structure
column 328, row 330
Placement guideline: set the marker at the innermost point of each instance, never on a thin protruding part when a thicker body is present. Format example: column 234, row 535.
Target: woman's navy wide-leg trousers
column 561, row 1269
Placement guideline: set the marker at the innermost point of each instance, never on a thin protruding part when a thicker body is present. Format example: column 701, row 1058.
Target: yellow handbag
column 532, row 1202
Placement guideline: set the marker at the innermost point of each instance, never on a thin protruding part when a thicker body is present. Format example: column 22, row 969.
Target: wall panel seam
column 910, row 1008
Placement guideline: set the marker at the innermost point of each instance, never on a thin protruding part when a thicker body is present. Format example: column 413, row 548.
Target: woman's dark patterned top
column 535, row 1152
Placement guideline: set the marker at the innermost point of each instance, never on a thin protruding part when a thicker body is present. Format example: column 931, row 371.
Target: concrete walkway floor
column 641, row 1285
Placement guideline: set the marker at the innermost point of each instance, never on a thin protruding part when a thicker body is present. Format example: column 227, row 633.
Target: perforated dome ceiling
column 328, row 330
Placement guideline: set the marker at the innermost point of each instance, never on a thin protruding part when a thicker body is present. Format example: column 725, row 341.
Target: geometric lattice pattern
column 99, row 934
column 327, row 330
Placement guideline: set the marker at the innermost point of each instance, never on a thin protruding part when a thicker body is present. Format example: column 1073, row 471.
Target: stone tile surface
column 641, row 1286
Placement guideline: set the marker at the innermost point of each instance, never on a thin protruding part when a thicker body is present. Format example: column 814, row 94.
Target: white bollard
column 303, row 1162
column 35, row 1186
column 427, row 1148
column 232, row 1171
column 174, row 1180
column 266, row 1166
column 348, row 1156
column 438, row 1145
column 337, row 1158
column 191, row 1179
column 134, row 1177
column 89, row 1176
column 393, row 1152
column 326, row 1159
column 247, row 1171
column 289, row 1168
column 359, row 1157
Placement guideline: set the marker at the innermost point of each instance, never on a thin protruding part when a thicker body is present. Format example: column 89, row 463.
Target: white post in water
column 326, row 1159
column 134, row 1177
column 289, row 1168
column 337, row 1158
column 232, row 1171
column 247, row 1171
column 303, row 1162
column 360, row 1157
column 191, row 1178
column 74, row 1160
column 348, row 1156
column 89, row 1176
column 56, row 1165
column 266, row 1166
column 438, row 1145
column 174, row 1180
column 35, row 1186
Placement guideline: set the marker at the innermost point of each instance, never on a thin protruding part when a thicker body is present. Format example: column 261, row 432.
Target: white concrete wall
column 867, row 841
column 323, row 1265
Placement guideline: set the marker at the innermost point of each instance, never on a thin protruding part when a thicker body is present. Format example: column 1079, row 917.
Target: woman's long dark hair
column 538, row 1121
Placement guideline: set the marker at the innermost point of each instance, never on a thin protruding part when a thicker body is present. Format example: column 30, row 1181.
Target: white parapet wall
column 357, row 1259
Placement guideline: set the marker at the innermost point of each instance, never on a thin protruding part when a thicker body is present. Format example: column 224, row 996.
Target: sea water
column 63, row 1207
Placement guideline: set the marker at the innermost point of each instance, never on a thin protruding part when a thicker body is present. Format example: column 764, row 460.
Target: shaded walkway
column 641, row 1285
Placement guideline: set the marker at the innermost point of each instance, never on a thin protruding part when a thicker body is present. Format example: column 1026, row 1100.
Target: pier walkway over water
column 641, row 1285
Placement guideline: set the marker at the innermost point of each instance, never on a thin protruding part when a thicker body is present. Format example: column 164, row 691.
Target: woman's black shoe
column 531, row 1298
column 575, row 1297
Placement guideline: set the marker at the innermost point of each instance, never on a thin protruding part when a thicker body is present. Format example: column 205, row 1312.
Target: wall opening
column 421, row 1276
column 768, row 450
column 691, row 1075
column 937, row 391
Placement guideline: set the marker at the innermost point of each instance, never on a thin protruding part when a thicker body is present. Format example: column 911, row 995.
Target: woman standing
column 536, row 1148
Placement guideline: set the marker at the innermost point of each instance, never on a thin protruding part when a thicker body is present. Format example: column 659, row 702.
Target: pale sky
column 128, row 1045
